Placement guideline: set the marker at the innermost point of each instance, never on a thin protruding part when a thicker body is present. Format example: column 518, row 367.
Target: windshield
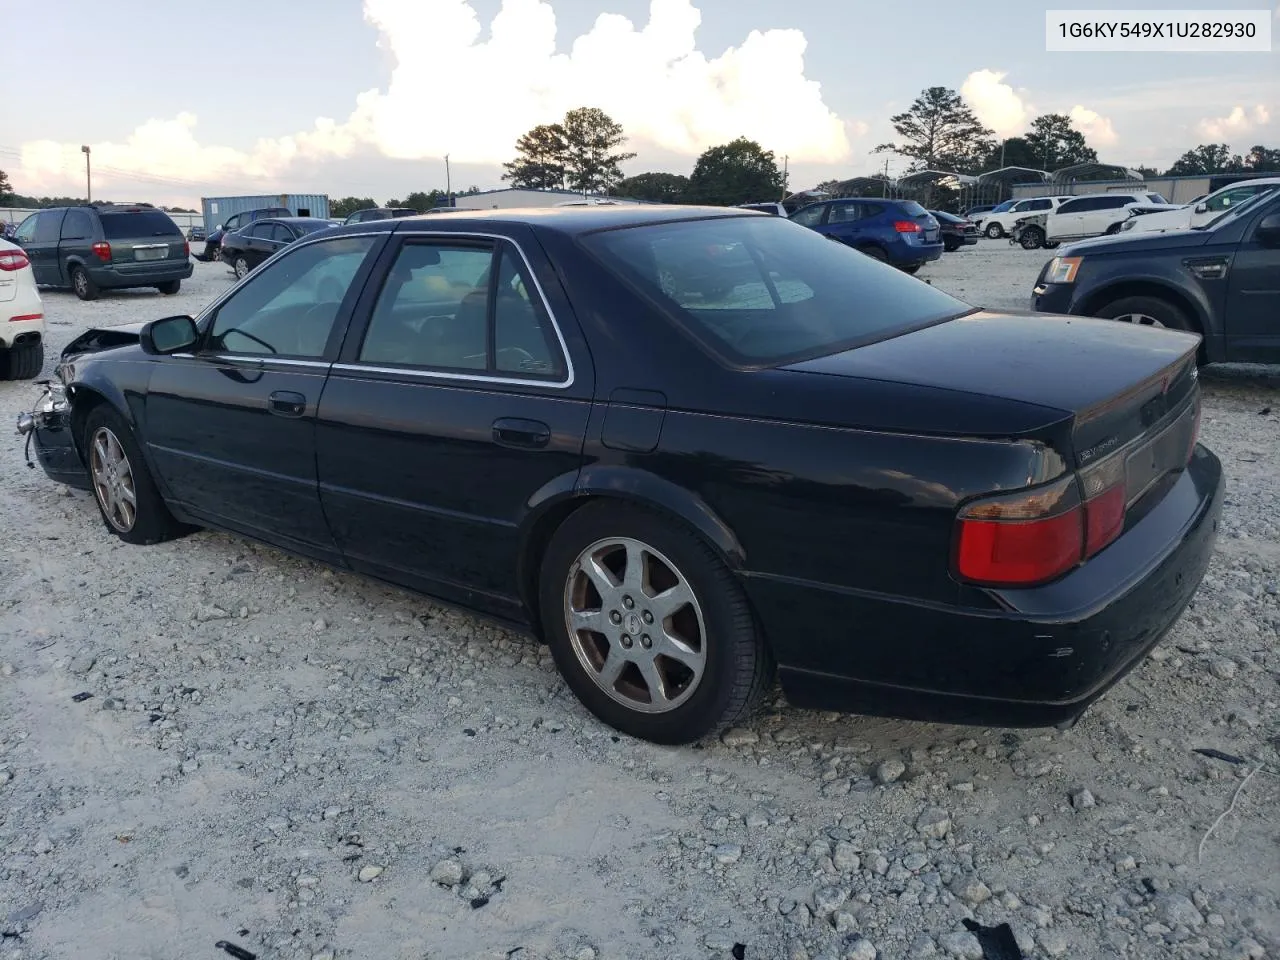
column 765, row 291
column 1002, row 207
column 1234, row 210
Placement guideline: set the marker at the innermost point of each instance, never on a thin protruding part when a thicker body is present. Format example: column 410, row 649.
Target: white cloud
column 471, row 98
column 1237, row 121
column 1096, row 128
column 997, row 104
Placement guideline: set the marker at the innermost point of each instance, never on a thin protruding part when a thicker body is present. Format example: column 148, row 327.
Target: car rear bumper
column 1040, row 660
column 25, row 304
column 143, row 274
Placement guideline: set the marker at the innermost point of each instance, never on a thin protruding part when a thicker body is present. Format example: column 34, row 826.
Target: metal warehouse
column 217, row 209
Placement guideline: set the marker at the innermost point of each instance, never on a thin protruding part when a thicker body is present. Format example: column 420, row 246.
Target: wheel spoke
column 100, row 447
column 654, row 680
column 600, row 575
column 671, row 600
column 592, row 620
column 614, row 664
column 677, row 648
column 635, row 575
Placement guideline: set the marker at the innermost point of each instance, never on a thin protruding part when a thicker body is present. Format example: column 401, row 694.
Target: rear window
column 764, row 291
column 144, row 223
column 911, row 208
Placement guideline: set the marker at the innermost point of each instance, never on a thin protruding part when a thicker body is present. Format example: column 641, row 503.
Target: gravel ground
column 210, row 741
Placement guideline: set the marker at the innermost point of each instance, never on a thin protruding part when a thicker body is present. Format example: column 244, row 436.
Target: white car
column 1197, row 214
column 21, row 316
column 995, row 225
column 1096, row 214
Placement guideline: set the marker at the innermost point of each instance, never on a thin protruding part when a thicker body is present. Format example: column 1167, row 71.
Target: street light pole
column 88, row 176
column 786, row 161
column 448, row 180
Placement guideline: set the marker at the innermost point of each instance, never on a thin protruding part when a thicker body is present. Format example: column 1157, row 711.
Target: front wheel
column 1146, row 312
column 993, row 231
column 241, row 267
column 648, row 626
column 128, row 500
column 1032, row 238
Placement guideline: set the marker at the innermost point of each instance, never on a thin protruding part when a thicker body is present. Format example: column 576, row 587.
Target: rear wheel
column 875, row 253
column 169, row 287
column 913, row 268
column 993, row 231
column 648, row 626
column 1146, row 312
column 241, row 267
column 83, row 284
column 1112, row 230
column 131, row 506
column 22, row 361
column 1032, row 238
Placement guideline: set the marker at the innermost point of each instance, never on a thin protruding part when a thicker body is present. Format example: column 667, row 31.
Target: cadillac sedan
column 690, row 449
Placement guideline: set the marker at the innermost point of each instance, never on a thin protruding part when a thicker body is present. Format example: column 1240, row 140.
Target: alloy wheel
column 113, row 482
column 81, row 283
column 1141, row 319
column 241, row 268
column 635, row 625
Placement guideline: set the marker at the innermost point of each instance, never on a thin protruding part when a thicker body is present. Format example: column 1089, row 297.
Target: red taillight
column 1021, row 539
column 11, row 260
column 907, row 226
column 23, row 317
column 102, row 250
column 1105, row 499
column 186, row 248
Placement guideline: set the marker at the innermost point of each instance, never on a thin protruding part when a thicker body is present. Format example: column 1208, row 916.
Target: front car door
column 1252, row 314
column 231, row 426
column 456, row 401
column 42, row 247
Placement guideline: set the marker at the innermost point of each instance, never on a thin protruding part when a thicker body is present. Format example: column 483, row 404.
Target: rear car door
column 231, row 426
column 842, row 220
column 455, row 402
column 1069, row 219
column 1108, row 210
column 76, row 242
column 1252, row 311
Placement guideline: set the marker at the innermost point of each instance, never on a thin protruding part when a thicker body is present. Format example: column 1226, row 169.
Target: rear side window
column 911, row 208
column 48, row 226
column 757, row 291
column 1040, row 205
column 77, row 226
column 809, row 216
column 144, row 223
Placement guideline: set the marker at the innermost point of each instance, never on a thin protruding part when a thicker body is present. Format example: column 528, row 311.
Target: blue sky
column 185, row 100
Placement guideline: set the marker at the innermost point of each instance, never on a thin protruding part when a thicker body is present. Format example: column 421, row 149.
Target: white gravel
column 410, row 782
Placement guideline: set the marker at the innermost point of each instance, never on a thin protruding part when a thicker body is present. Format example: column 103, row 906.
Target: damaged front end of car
column 47, row 427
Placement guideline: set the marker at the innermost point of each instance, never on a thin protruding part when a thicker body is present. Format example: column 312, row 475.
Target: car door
column 39, row 235
column 842, row 220
column 1224, row 201
column 76, row 241
column 453, row 406
column 1252, row 313
column 1066, row 221
column 812, row 216
column 231, row 426
column 1108, row 210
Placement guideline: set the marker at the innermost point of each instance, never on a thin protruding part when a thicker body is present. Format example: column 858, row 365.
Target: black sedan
column 956, row 231
column 909, row 506
column 249, row 247
column 1220, row 281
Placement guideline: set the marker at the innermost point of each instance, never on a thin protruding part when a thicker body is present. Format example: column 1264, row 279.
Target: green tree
column 1259, row 159
column 940, row 131
column 348, row 205
column 1146, row 172
column 422, row 202
column 1011, row 152
column 1206, row 158
column 658, row 187
column 1055, row 143
column 541, row 159
column 737, row 172
column 6, row 189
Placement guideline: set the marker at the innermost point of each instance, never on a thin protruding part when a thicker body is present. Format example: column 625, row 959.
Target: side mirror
column 169, row 335
column 1268, row 231
column 1202, row 208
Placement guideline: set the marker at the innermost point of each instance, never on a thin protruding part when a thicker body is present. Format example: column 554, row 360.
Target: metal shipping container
column 217, row 209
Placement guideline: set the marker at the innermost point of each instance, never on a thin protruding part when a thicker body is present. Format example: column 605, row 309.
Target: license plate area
column 151, row 252
column 1158, row 455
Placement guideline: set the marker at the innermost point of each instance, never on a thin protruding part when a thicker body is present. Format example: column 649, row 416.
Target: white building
column 512, row 197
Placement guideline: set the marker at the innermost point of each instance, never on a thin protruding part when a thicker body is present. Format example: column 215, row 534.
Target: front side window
column 443, row 308
column 289, row 308
column 26, row 231
column 758, row 291
column 845, row 211
column 810, row 216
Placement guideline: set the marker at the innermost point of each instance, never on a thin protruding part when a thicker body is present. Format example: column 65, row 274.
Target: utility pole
column 1003, row 143
column 786, row 160
column 448, row 180
column 88, row 176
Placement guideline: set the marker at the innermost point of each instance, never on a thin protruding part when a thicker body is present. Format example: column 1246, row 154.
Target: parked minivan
column 105, row 246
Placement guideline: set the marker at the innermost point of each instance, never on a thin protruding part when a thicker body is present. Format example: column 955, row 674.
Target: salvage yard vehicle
column 106, row 246
column 1221, row 282
column 956, row 232
column 250, row 246
column 900, row 232
column 997, row 225
column 1200, row 212
column 1097, row 214
column 21, row 316
column 236, row 222
column 913, row 507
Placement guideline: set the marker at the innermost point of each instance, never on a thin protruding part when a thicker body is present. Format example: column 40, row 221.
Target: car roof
column 566, row 220
column 291, row 220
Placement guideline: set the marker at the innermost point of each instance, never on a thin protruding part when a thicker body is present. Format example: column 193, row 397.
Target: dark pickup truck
column 105, row 246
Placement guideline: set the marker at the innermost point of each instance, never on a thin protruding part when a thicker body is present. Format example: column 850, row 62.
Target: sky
column 366, row 97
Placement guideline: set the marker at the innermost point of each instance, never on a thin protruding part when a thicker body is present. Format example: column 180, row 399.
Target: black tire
column 22, row 361
column 738, row 667
column 950, row 247
column 1165, row 313
column 912, row 269
column 1032, row 238
column 240, row 267
column 169, row 287
column 152, row 521
column 1112, row 230
column 993, row 231
column 83, row 284
column 875, row 253
column 1052, row 244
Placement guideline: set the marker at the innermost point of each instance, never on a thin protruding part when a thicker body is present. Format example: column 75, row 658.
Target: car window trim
column 496, row 240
